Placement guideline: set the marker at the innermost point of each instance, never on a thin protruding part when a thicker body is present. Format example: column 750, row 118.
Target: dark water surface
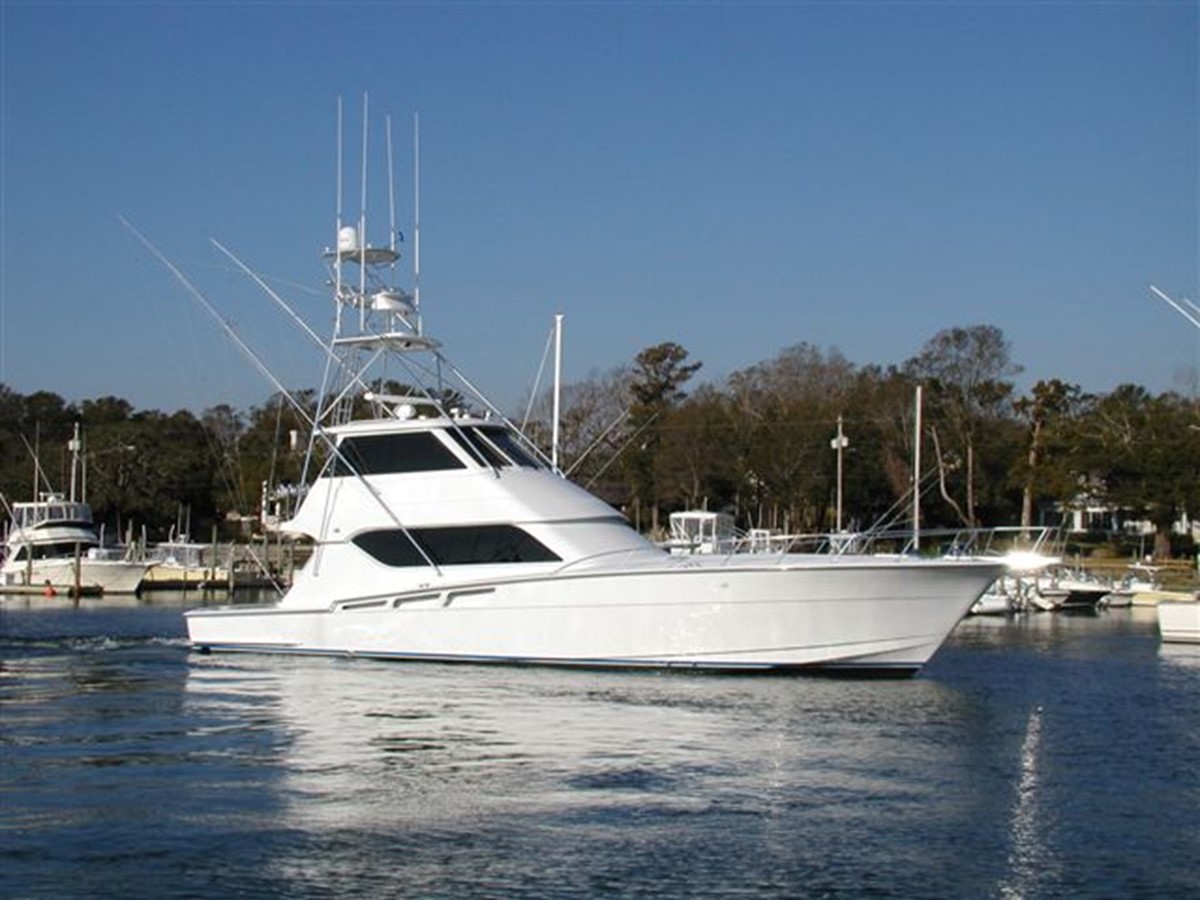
column 1045, row 756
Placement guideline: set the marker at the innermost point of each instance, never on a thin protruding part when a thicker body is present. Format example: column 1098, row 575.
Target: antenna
column 557, row 388
column 362, row 217
column 337, row 232
column 387, row 121
column 916, row 503
column 338, row 292
column 338, row 175
column 417, row 218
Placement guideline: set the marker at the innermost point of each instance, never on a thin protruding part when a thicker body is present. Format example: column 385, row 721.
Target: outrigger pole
column 1192, row 315
column 316, row 429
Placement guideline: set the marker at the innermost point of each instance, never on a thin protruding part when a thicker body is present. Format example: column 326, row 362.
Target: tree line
column 757, row 444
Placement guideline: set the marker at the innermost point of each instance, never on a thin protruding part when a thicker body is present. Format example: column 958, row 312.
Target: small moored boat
column 51, row 546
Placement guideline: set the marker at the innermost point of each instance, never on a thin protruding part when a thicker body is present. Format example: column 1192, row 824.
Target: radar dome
column 347, row 239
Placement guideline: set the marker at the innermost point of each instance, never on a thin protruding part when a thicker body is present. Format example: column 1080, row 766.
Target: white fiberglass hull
column 1179, row 621
column 877, row 614
column 110, row 576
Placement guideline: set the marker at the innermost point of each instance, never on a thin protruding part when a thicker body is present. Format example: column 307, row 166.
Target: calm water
column 1049, row 756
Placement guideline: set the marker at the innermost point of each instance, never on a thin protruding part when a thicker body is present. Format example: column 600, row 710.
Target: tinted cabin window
column 381, row 454
column 493, row 446
column 482, row 544
column 481, row 451
column 503, row 439
column 473, row 545
column 390, row 547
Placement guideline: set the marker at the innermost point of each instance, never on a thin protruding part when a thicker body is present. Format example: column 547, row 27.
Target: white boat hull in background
column 867, row 614
column 104, row 575
column 1179, row 621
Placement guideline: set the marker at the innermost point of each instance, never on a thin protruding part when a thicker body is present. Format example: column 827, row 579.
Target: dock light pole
column 839, row 443
column 75, row 445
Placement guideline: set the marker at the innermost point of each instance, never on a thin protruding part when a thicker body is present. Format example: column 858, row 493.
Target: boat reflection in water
column 1184, row 654
column 510, row 756
column 554, row 777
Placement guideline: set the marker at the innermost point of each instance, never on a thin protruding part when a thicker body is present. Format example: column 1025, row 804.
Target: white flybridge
column 441, row 534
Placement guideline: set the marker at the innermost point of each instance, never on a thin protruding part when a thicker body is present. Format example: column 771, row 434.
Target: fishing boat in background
column 700, row 531
column 51, row 546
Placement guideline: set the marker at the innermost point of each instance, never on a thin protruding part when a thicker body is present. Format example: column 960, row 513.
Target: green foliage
column 758, row 443
column 137, row 469
column 656, row 388
column 1141, row 453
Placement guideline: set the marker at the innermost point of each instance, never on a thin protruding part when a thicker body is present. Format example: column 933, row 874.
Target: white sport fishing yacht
column 51, row 545
column 441, row 534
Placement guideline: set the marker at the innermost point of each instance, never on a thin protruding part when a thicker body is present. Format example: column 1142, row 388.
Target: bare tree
column 966, row 371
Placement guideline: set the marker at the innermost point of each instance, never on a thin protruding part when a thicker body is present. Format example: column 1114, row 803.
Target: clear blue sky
column 736, row 177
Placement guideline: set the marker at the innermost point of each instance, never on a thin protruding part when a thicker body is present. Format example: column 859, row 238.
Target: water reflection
column 548, row 762
column 1030, row 859
column 1182, row 656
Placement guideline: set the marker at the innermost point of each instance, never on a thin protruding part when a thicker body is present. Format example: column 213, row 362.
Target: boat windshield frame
column 50, row 512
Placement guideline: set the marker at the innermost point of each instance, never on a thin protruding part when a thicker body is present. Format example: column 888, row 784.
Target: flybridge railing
column 1036, row 543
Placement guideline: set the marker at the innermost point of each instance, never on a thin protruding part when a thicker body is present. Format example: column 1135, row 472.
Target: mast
column 557, row 388
column 75, row 445
column 362, row 217
column 37, row 444
column 417, row 218
column 338, row 230
column 916, row 507
column 391, row 186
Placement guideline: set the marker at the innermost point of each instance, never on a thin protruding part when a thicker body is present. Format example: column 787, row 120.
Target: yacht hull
column 876, row 615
